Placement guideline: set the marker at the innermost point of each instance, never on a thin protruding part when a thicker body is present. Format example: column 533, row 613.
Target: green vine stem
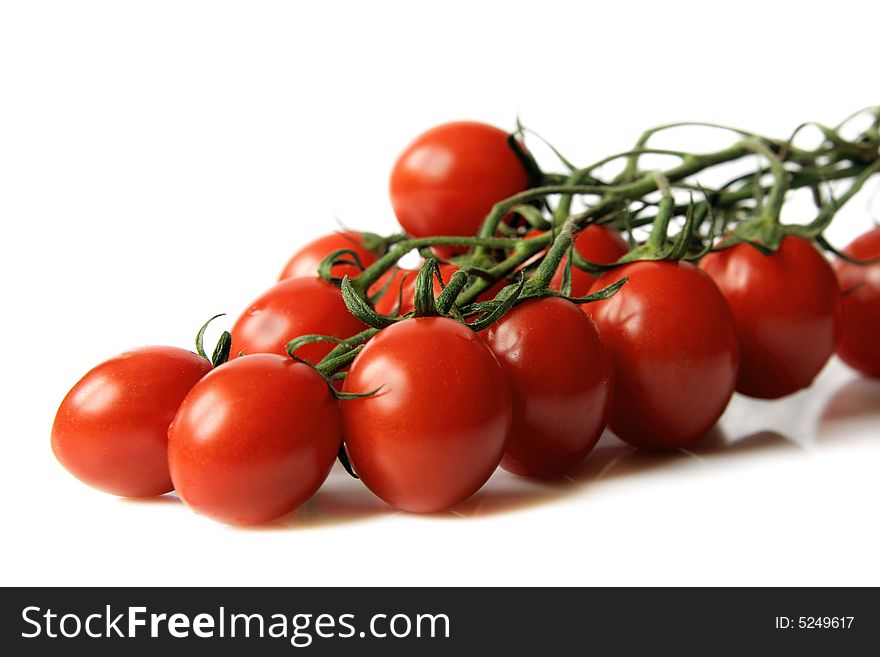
column 499, row 254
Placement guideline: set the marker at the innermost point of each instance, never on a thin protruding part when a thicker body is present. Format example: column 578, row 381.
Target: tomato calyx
column 534, row 174
column 222, row 349
column 331, row 365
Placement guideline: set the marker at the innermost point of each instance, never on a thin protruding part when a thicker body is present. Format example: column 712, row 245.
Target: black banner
column 332, row 621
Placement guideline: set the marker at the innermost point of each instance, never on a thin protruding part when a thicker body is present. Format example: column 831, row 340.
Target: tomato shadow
column 340, row 500
column 610, row 460
column 853, row 407
column 167, row 498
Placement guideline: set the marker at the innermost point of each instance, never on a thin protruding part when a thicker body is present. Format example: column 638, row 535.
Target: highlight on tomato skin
column 304, row 263
column 290, row 308
column 448, row 178
column 560, row 378
column 859, row 343
column 111, row 430
column 787, row 311
column 254, row 439
column 436, row 431
column 673, row 346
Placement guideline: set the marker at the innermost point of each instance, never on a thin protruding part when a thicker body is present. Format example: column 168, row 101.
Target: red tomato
column 435, row 432
column 111, row 431
column 448, row 179
column 859, row 344
column 254, row 439
column 599, row 244
column 786, row 306
column 289, row 309
column 673, row 344
column 560, row 382
column 304, row 262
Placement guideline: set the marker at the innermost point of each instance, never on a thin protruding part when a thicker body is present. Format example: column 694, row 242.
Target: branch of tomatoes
column 744, row 209
column 496, row 253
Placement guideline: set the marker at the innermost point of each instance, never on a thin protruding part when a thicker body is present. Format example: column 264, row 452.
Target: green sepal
column 506, row 299
column 345, row 461
column 424, row 304
column 222, row 350
column 338, row 257
column 200, row 337
column 361, row 308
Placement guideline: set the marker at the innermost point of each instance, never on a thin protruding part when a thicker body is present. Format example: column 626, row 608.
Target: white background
column 160, row 161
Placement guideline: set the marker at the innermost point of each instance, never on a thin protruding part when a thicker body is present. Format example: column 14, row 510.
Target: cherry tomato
column 673, row 344
column 559, row 374
column 859, row 344
column 304, row 263
column 254, row 439
column 111, row 431
column 599, row 244
column 435, row 432
column 448, row 179
column 786, row 306
column 289, row 309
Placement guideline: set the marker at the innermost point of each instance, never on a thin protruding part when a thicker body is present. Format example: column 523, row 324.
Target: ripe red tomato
column 859, row 344
column 254, row 439
column 448, row 179
column 435, row 432
column 304, row 263
column 673, row 344
column 560, row 382
column 111, row 431
column 786, row 306
column 599, row 244
column 289, row 309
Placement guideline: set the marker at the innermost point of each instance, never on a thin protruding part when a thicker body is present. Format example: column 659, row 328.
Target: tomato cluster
column 424, row 381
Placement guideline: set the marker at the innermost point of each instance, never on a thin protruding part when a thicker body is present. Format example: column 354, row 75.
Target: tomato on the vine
column 559, row 374
column 786, row 306
column 111, row 431
column 448, row 179
column 304, row 263
column 673, row 344
column 403, row 287
column 254, row 439
column 291, row 308
column 436, row 430
column 601, row 245
column 859, row 344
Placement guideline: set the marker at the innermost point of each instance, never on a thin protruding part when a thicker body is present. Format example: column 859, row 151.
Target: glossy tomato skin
column 435, row 432
column 289, row 309
column 673, row 345
column 559, row 374
column 254, row 439
column 859, row 344
column 786, row 306
column 599, row 244
column 447, row 180
column 111, row 431
column 304, row 263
